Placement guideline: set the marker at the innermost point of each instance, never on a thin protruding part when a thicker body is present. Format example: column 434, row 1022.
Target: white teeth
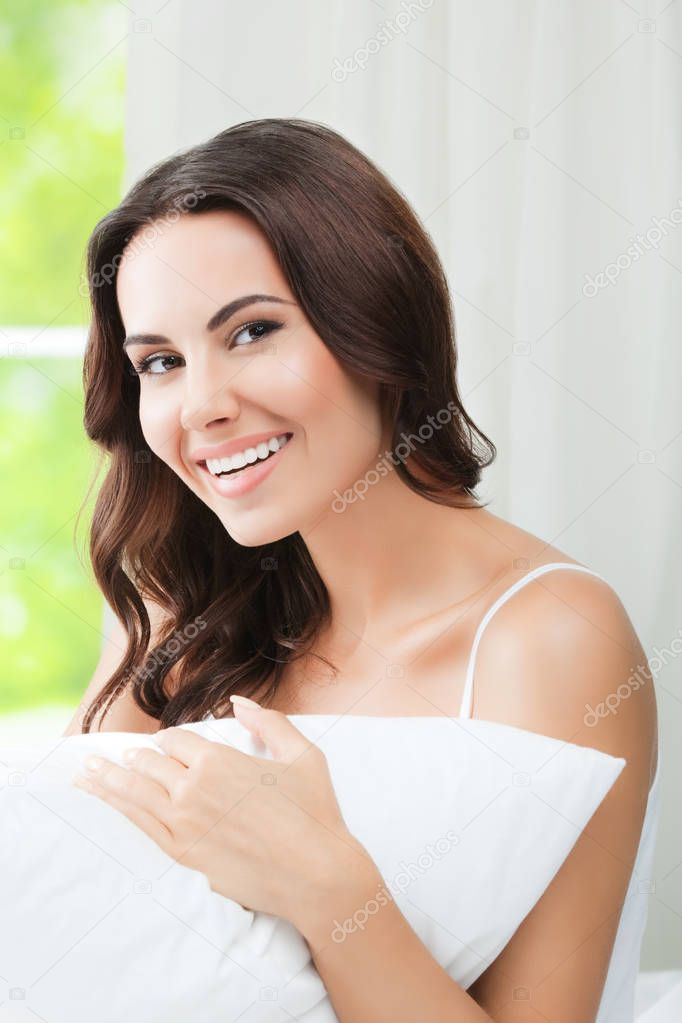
column 247, row 457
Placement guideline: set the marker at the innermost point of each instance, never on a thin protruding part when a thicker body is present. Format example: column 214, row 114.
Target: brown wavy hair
column 360, row 265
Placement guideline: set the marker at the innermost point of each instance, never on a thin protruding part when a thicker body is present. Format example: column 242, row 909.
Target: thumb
column 284, row 740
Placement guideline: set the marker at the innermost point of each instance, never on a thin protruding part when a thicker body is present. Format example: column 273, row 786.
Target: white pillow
column 467, row 820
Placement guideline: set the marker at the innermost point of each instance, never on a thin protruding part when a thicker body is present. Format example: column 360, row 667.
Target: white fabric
column 467, row 820
column 98, row 923
column 658, row 996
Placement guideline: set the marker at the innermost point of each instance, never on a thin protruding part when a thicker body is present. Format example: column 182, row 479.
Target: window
column 62, row 94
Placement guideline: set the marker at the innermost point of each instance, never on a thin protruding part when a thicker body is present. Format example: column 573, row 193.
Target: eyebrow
column 217, row 320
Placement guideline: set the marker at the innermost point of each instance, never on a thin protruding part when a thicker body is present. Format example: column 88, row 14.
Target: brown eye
column 142, row 367
column 262, row 328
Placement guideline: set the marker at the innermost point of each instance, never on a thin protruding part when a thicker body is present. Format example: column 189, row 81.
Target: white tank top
column 618, row 996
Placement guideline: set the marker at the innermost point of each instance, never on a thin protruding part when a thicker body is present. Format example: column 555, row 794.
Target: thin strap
column 467, row 698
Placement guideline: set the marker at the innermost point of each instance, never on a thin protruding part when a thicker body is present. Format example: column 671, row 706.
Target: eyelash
column 141, row 367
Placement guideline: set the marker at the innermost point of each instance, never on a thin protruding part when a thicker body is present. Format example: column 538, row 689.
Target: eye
column 263, row 329
column 143, row 365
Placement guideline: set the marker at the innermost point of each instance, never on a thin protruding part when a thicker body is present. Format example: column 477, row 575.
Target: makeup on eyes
column 141, row 366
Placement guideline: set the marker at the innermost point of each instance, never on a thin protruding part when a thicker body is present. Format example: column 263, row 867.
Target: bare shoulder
column 561, row 657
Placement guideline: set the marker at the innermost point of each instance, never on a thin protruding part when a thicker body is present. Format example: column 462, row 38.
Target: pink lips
column 248, row 478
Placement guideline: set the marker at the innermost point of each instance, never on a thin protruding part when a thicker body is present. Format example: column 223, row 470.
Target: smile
column 242, row 472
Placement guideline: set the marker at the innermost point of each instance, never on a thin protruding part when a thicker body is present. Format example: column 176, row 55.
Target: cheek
column 338, row 412
column 159, row 421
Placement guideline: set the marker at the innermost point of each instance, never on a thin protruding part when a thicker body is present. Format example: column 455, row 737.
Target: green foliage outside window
column 62, row 101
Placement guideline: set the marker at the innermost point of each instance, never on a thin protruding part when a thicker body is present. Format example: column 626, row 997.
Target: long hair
column 361, row 266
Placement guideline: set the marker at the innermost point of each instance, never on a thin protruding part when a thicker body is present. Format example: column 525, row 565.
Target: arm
column 557, row 645
column 581, row 648
column 382, row 972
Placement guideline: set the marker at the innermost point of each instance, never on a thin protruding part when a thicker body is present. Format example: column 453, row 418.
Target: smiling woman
column 272, row 372
column 235, row 303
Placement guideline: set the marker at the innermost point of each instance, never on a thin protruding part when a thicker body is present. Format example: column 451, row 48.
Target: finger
column 183, row 744
column 282, row 738
column 135, row 813
column 165, row 770
column 136, row 788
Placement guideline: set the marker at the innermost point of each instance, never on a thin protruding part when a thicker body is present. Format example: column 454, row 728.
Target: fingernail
column 129, row 755
column 245, row 701
column 93, row 763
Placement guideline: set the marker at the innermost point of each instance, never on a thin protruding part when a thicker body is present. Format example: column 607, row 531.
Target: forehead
column 199, row 261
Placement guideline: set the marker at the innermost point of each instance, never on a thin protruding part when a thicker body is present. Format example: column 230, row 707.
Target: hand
column 266, row 833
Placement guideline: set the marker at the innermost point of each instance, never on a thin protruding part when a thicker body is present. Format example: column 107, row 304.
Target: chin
column 257, row 534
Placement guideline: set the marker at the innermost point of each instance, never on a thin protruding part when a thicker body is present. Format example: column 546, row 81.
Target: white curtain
column 540, row 143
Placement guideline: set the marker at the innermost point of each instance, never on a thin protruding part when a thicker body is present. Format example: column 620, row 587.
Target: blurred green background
column 62, row 100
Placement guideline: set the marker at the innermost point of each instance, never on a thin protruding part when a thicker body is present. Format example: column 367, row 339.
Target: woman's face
column 262, row 370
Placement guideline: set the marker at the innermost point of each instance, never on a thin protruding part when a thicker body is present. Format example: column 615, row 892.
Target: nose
column 208, row 397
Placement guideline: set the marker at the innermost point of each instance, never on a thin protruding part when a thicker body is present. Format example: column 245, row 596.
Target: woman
column 289, row 516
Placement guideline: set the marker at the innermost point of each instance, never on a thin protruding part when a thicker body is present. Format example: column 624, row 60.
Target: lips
column 248, row 478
